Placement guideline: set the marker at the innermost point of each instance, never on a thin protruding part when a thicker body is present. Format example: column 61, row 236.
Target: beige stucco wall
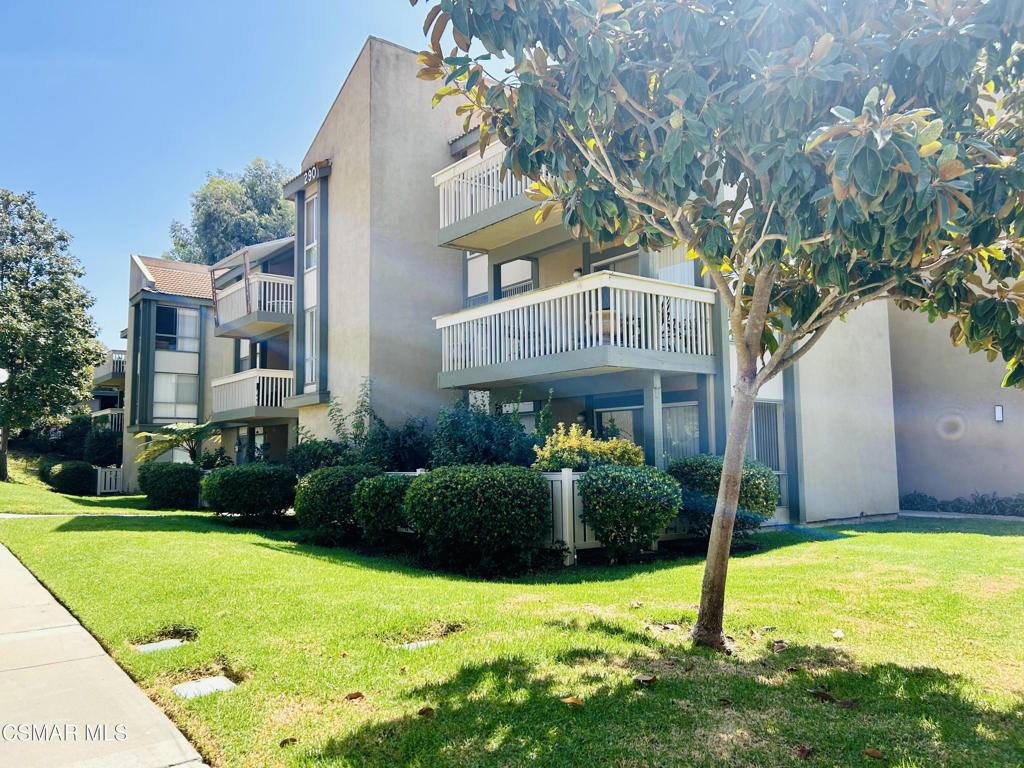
column 845, row 420
column 948, row 443
column 556, row 266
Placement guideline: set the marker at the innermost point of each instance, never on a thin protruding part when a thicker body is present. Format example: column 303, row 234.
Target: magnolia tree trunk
column 708, row 629
column 4, row 433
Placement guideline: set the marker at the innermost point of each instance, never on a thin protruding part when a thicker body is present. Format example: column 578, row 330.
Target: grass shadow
column 131, row 503
column 703, row 709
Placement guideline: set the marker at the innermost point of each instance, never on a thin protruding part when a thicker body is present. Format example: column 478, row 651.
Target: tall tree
column 233, row 210
column 47, row 342
column 813, row 155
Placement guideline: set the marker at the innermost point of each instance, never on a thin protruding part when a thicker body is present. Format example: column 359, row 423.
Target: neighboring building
column 433, row 294
column 107, row 404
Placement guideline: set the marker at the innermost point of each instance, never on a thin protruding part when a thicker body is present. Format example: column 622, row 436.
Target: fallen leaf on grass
column 725, row 702
column 848, row 704
column 275, row 675
column 754, row 635
column 288, row 742
column 572, row 701
column 645, row 679
column 872, row 752
column 403, row 670
column 636, row 603
column 689, row 668
column 779, row 645
column 804, row 752
column 793, row 670
column 426, row 712
column 823, row 695
column 837, row 634
column 768, row 629
column 354, row 695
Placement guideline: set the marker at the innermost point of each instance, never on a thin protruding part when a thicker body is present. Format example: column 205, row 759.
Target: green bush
column 250, row 491
column 578, row 450
column 700, row 477
column 310, row 455
column 323, row 501
column 71, row 442
column 215, row 460
column 378, row 506
column 44, row 470
column 983, row 504
column 169, row 485
column 481, row 519
column 77, row 478
column 919, row 502
column 473, row 435
column 102, row 447
column 627, row 507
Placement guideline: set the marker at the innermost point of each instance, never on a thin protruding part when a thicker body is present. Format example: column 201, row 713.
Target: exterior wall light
column 999, row 414
column 577, row 273
column 238, row 447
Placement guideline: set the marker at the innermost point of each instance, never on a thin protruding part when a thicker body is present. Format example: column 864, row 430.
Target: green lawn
column 26, row 494
column 932, row 653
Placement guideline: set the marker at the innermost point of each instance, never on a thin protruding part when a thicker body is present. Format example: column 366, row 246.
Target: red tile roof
column 178, row 278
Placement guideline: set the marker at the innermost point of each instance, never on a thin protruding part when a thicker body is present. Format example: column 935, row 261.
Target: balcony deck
column 257, row 306
column 110, row 373
column 602, row 322
column 256, row 395
column 481, row 211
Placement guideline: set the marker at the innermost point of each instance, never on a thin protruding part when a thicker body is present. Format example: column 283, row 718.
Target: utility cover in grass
column 196, row 688
column 160, row 645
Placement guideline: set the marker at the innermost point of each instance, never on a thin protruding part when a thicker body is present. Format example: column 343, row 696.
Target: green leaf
column 929, row 133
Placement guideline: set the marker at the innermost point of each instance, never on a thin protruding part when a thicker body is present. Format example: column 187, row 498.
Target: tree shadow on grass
column 704, row 709
column 129, row 503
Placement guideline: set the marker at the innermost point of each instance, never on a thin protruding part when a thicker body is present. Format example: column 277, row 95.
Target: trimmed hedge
column 170, row 485
column 488, row 520
column 77, row 478
column 378, row 506
column 628, row 506
column 473, row 435
column 310, row 455
column 323, row 501
column 250, row 491
column 102, row 447
column 578, row 450
column 699, row 476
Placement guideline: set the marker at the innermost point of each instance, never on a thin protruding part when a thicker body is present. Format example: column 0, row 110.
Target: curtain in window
column 680, row 430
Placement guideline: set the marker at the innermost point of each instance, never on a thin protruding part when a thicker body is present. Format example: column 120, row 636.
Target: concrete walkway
column 63, row 700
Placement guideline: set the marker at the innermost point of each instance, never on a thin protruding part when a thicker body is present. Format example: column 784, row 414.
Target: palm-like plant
column 182, row 435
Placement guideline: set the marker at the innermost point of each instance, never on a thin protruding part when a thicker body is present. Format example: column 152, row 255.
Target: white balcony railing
column 474, row 184
column 114, row 418
column 604, row 308
column 113, row 364
column 258, row 388
column 260, row 293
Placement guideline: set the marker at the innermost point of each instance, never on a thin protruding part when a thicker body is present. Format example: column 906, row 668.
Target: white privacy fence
column 257, row 388
column 108, row 480
column 474, row 184
column 604, row 308
column 259, row 292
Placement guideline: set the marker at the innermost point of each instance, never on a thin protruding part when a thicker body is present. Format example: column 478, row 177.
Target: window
column 680, row 425
column 177, row 329
column 311, row 233
column 675, row 267
column 764, row 444
column 515, row 277
column 620, row 422
column 476, row 279
column 175, row 397
column 311, row 338
column 243, row 360
column 626, row 264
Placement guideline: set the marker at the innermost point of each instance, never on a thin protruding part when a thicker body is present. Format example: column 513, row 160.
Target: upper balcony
column 252, row 396
column 110, row 373
column 598, row 323
column 479, row 210
column 254, row 291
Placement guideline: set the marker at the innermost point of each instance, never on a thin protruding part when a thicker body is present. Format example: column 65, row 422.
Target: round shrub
column 488, row 520
column 920, row 502
column 102, row 448
column 378, row 505
column 44, row 470
column 700, row 476
column 628, row 506
column 77, row 478
column 323, row 501
column 250, row 490
column 310, row 455
column 578, row 450
column 170, row 485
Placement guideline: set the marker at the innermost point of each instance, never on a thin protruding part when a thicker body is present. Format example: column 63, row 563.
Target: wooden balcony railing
column 258, row 388
column 604, row 308
column 474, row 184
column 114, row 363
column 259, row 293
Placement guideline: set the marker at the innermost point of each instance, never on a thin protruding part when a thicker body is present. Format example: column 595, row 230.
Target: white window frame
column 310, row 356
column 311, row 246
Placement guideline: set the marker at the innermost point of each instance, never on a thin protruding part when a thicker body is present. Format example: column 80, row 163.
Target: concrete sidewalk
column 63, row 700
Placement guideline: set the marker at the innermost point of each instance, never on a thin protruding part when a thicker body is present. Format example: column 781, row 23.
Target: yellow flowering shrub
column 578, row 450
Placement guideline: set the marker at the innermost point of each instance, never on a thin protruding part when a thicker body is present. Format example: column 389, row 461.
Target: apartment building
column 417, row 266
column 107, row 403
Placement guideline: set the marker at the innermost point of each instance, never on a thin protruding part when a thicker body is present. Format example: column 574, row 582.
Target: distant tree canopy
column 233, row 210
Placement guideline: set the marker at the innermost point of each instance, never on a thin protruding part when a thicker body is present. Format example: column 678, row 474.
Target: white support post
column 568, row 517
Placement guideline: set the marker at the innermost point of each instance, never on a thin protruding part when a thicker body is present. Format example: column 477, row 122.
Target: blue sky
column 113, row 113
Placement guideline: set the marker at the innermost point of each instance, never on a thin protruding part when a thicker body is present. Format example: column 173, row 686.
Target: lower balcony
column 112, row 418
column 252, row 396
column 603, row 322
